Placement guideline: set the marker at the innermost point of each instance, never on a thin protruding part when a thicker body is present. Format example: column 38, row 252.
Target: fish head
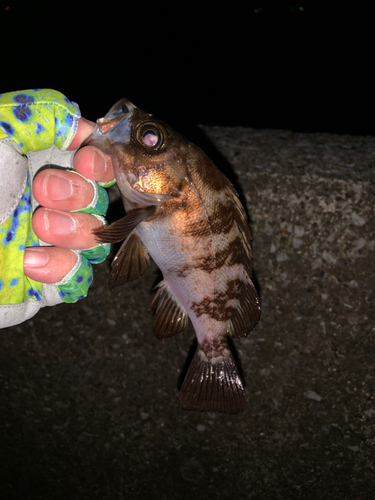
column 147, row 154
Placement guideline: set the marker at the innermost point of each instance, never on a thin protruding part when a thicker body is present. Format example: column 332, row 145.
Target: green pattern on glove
column 107, row 184
column 77, row 286
column 15, row 235
column 97, row 254
column 99, row 205
column 34, row 119
column 37, row 119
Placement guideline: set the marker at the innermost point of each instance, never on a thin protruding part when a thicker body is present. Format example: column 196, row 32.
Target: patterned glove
column 36, row 127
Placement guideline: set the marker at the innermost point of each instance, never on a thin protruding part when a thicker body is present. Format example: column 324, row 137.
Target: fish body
column 185, row 214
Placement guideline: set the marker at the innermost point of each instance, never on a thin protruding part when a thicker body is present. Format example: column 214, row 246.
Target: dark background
column 88, row 396
column 305, row 66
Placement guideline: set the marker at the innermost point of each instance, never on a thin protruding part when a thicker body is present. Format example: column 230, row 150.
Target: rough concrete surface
column 89, row 395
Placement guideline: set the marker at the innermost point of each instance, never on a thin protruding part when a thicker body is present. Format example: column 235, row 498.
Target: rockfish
column 184, row 213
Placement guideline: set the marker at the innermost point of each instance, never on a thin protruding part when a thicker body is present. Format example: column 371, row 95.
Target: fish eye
column 150, row 138
column 151, row 135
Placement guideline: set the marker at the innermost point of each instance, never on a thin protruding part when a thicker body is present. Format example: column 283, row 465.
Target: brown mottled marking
column 229, row 256
column 204, row 226
column 215, row 347
column 194, row 220
column 217, row 308
column 220, row 221
column 222, row 218
column 209, row 175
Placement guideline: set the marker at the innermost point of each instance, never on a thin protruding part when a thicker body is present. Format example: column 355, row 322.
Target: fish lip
column 113, row 127
column 105, row 124
column 122, row 109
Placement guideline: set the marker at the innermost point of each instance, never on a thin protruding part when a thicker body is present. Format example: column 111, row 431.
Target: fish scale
column 185, row 214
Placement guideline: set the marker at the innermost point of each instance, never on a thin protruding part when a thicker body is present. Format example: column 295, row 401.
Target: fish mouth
column 118, row 112
column 122, row 107
column 114, row 126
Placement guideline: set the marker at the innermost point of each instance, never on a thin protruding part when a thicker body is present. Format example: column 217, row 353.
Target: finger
column 94, row 164
column 84, row 129
column 65, row 229
column 48, row 264
column 62, row 190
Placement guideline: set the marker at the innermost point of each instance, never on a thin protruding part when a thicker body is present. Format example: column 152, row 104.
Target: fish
column 184, row 213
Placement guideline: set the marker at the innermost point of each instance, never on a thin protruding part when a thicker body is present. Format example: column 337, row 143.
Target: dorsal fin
column 246, row 314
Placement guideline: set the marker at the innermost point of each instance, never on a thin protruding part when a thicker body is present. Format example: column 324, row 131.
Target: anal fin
column 130, row 261
column 212, row 386
column 170, row 317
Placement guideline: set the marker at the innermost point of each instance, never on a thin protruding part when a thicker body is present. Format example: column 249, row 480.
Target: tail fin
column 212, row 385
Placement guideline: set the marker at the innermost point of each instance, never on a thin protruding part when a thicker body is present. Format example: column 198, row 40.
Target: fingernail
column 98, row 165
column 58, row 223
column 35, row 257
column 56, row 187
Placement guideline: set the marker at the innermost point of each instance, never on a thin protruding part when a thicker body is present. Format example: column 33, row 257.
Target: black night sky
column 273, row 64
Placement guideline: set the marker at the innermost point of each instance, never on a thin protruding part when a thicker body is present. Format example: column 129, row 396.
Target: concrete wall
column 89, row 396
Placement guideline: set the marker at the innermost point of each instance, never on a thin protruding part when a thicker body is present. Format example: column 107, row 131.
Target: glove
column 36, row 127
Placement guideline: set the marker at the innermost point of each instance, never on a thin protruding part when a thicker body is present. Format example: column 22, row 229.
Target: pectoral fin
column 170, row 317
column 121, row 229
column 130, row 262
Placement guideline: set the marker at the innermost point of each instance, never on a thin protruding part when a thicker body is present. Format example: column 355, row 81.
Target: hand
column 38, row 130
column 59, row 192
